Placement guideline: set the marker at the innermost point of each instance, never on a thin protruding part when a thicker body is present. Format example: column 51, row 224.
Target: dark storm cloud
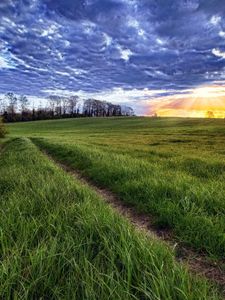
column 96, row 45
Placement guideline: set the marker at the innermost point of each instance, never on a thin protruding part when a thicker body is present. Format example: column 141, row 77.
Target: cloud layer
column 98, row 46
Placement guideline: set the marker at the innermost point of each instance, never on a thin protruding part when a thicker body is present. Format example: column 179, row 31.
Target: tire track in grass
column 196, row 263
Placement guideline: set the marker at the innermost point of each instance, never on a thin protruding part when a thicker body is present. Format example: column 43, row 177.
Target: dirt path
column 196, row 263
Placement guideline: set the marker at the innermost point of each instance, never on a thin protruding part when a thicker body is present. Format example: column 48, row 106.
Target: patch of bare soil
column 197, row 263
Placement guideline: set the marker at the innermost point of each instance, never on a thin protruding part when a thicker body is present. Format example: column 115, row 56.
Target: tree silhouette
column 210, row 114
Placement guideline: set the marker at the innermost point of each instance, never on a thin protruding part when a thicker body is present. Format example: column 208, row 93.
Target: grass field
column 60, row 241
column 172, row 169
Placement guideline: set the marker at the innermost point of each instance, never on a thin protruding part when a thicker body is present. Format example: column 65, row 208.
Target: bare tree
column 2, row 105
column 88, row 107
column 12, row 104
column 64, row 105
column 24, row 102
column 72, row 104
column 51, row 106
column 56, row 104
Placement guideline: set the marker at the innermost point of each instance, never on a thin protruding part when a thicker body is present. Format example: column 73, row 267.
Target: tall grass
column 59, row 240
column 183, row 187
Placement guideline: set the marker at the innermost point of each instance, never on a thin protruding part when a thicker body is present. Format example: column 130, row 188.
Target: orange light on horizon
column 201, row 102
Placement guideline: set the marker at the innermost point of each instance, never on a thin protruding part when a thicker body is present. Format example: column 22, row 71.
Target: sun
column 204, row 92
column 204, row 101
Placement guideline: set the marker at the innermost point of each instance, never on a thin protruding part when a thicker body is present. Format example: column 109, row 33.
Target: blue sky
column 130, row 51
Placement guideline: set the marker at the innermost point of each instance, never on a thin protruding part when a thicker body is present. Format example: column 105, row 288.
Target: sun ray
column 207, row 101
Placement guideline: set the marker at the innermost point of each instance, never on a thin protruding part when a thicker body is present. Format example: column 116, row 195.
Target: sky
column 164, row 57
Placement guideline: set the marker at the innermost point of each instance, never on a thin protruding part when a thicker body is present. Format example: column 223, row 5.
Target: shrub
column 2, row 129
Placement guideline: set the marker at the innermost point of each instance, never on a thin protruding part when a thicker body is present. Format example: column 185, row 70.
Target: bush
column 2, row 129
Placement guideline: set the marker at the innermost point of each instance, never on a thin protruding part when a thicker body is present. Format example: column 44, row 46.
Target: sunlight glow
column 207, row 101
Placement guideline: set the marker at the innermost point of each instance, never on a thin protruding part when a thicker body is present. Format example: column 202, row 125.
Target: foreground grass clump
column 58, row 240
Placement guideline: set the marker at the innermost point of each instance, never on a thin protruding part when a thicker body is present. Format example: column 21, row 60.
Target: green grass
column 59, row 240
column 171, row 168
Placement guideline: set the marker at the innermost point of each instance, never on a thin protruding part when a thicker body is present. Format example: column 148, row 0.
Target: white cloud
column 108, row 39
column 2, row 29
column 125, row 54
column 156, row 73
column 20, row 61
column 135, row 24
column 23, row 63
column 141, row 32
column 88, row 26
column 116, row 95
column 222, row 34
column 218, row 53
column 59, row 55
column 62, row 73
column 160, row 41
column 76, row 71
column 36, row 101
column 51, row 30
column 4, row 64
column 6, row 21
column 67, row 43
column 215, row 20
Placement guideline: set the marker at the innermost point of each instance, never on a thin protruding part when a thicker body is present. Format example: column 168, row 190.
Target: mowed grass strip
column 193, row 208
column 59, row 240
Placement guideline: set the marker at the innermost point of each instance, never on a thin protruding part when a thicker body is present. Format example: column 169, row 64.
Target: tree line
column 14, row 108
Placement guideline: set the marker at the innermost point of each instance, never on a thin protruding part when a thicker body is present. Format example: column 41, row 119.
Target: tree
column 52, row 107
column 15, row 108
column 72, row 104
column 128, row 111
column 210, row 114
column 12, row 105
column 56, row 103
column 23, row 103
column 2, row 129
column 88, row 107
column 2, row 105
column 64, row 105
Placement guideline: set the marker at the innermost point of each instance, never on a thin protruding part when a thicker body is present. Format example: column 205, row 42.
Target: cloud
column 218, row 53
column 103, row 45
column 125, row 53
column 215, row 20
column 6, row 60
column 51, row 30
column 222, row 34
column 4, row 63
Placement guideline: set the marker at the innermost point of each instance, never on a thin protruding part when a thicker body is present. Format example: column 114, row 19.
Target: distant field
column 172, row 169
